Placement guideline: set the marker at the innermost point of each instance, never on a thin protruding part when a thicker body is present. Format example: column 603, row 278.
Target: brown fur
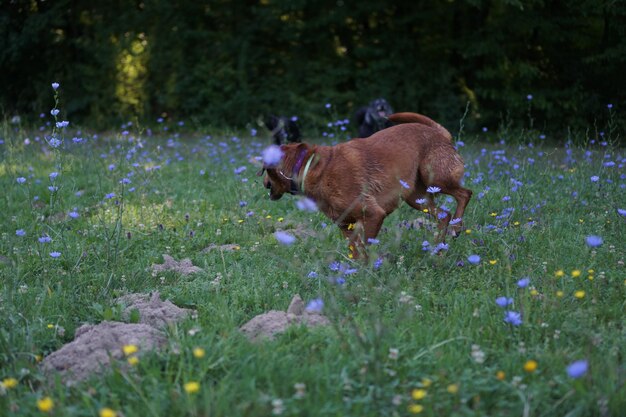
column 358, row 182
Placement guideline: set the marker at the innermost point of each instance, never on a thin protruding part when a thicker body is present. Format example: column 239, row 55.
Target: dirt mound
column 184, row 267
column 96, row 346
column 152, row 310
column 268, row 325
column 222, row 248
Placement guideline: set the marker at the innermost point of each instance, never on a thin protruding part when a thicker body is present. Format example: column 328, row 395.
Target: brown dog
column 359, row 182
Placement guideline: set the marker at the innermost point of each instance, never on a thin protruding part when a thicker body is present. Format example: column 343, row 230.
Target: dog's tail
column 406, row 117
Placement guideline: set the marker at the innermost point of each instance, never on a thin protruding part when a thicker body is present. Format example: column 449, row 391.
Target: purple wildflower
column 315, row 306
column 523, row 283
column 306, row 204
column 440, row 247
column 593, row 241
column 513, row 317
column 20, row 232
column 284, row 238
column 55, row 86
column 21, row 180
column 55, row 254
column 577, row 369
column 473, row 259
column 378, row 263
column 433, row 189
column 504, row 301
column 404, row 184
column 272, row 155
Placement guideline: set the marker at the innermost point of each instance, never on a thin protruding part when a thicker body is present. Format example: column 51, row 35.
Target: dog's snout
column 268, row 185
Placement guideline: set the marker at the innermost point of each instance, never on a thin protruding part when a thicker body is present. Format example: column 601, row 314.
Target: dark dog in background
column 283, row 129
column 373, row 117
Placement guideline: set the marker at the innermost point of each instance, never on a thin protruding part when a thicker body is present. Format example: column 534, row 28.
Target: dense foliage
column 225, row 62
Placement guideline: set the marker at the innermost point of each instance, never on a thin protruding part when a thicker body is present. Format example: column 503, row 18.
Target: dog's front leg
column 354, row 233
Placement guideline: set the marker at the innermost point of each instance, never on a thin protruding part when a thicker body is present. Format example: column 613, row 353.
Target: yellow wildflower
column 129, row 349
column 560, row 273
column 579, row 294
column 468, row 231
column 45, row 404
column 534, row 292
column 107, row 412
column 9, row 383
column 416, row 408
column 530, row 366
column 418, row 394
column 198, row 352
column 191, row 387
column 500, row 375
column 453, row 388
column 493, row 261
column 133, row 360
column 426, row 382
column 576, row 273
column 559, row 294
column 351, row 226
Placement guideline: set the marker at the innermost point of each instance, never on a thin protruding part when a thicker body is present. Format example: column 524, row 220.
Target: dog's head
column 281, row 178
column 381, row 108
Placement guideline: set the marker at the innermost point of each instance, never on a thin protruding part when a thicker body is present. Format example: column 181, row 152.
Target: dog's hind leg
column 462, row 197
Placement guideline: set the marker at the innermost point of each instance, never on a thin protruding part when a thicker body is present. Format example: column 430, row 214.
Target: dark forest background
column 225, row 62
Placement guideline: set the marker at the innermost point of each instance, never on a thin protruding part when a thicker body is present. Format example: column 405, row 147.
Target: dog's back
column 407, row 117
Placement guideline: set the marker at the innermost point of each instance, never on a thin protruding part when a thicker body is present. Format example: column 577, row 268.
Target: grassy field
column 413, row 332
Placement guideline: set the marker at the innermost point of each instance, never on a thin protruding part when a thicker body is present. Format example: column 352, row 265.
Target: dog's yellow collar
column 306, row 171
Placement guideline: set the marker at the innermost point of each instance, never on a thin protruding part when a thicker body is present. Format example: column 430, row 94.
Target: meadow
column 522, row 315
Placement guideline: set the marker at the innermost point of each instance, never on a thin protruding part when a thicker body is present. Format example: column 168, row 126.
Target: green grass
column 431, row 308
